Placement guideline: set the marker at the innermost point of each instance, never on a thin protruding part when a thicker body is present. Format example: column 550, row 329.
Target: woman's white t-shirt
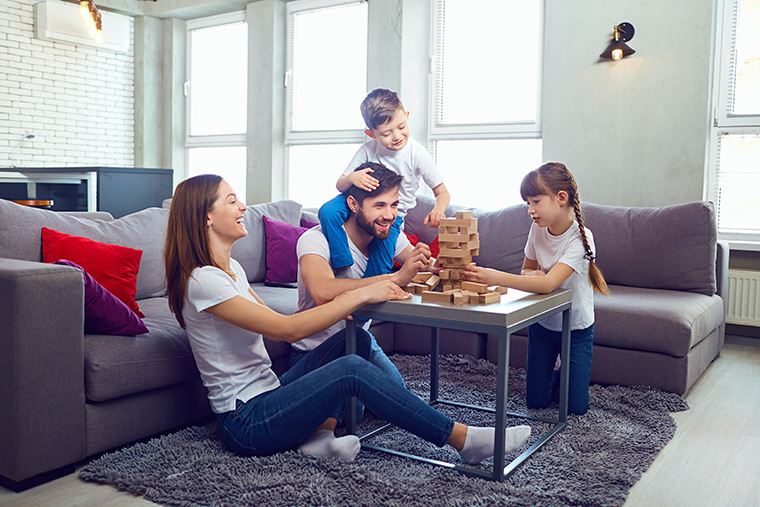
column 567, row 248
column 233, row 362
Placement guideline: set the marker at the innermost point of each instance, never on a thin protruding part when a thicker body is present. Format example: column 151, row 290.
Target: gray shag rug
column 593, row 462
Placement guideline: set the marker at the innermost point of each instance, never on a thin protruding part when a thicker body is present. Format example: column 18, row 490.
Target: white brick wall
column 77, row 101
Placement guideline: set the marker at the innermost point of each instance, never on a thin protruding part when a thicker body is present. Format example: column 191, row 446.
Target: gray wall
column 633, row 132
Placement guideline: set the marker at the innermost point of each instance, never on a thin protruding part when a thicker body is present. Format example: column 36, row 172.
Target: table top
column 515, row 307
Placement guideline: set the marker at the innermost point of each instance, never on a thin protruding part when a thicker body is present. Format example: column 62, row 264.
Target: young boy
column 388, row 126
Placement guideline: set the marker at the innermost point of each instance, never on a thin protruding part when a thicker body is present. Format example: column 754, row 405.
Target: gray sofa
column 66, row 395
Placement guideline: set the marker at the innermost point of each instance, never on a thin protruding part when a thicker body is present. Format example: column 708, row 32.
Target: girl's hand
column 473, row 273
column 362, row 179
column 434, row 218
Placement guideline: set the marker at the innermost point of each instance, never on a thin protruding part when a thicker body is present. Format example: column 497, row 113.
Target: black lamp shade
column 617, row 44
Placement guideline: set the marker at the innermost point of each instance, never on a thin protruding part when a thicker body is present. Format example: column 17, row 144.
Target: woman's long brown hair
column 550, row 179
column 187, row 246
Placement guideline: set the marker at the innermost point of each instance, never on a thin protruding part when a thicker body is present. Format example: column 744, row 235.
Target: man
column 372, row 214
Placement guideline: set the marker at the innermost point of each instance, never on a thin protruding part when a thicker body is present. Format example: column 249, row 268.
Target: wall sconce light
column 618, row 48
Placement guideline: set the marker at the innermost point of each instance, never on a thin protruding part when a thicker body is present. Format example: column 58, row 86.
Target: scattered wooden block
column 436, row 297
column 488, row 298
column 432, row 282
column 497, row 288
column 457, row 298
column 480, row 288
column 422, row 277
column 416, row 288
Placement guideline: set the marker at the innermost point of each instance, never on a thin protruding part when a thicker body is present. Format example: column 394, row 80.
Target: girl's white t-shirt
column 233, row 362
column 568, row 249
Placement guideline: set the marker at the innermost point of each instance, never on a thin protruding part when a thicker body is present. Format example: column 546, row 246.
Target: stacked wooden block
column 459, row 243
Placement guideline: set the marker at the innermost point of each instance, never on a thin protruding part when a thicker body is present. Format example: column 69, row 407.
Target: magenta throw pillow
column 281, row 260
column 308, row 223
column 104, row 313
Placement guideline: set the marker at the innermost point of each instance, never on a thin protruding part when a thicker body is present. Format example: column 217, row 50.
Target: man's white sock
column 324, row 443
column 478, row 445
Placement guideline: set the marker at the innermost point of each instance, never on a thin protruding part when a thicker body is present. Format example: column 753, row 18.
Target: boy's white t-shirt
column 233, row 362
column 413, row 162
column 568, row 249
column 314, row 241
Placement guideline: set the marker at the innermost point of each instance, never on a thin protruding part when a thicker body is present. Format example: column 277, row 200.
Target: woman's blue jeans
column 542, row 380
column 311, row 392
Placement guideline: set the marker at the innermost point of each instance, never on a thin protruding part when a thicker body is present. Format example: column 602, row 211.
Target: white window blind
column 734, row 172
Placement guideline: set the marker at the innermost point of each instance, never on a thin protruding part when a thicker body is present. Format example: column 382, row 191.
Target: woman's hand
column 378, row 293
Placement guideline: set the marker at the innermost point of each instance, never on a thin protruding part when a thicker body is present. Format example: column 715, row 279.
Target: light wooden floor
column 713, row 459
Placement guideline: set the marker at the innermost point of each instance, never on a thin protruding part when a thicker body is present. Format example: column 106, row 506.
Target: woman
column 258, row 413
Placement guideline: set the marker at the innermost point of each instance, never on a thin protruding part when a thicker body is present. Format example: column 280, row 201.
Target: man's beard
column 369, row 227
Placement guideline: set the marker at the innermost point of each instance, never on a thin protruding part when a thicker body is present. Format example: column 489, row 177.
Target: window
column 734, row 167
column 326, row 81
column 216, row 92
column 485, row 128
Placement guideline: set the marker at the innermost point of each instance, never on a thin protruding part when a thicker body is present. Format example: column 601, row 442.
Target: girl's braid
column 579, row 218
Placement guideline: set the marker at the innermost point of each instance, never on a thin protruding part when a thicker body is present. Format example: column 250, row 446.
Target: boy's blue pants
column 332, row 215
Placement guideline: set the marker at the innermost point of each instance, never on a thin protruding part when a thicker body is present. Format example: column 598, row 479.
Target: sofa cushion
column 103, row 312
column 281, row 257
column 114, row 267
column 250, row 250
column 144, row 230
column 503, row 233
column 659, row 248
column 118, row 366
column 655, row 320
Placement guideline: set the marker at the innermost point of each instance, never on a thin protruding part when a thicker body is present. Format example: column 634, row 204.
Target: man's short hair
column 379, row 107
column 387, row 180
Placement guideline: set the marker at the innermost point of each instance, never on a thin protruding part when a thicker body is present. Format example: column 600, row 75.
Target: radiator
column 743, row 302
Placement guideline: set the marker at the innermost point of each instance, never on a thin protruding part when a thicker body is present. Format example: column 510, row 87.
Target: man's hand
column 418, row 260
column 362, row 179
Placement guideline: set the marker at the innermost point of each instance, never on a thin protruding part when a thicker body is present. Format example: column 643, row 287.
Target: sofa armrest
column 42, row 421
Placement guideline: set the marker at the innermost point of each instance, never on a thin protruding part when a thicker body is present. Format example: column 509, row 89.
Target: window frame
column 215, row 140
column 310, row 137
column 723, row 121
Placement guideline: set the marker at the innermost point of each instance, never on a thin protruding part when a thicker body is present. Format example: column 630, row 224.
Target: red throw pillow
column 112, row 266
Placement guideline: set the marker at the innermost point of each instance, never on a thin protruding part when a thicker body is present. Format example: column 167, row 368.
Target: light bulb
column 99, row 37
column 83, row 10
column 617, row 54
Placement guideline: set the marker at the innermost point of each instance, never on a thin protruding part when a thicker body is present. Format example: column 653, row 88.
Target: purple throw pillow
column 308, row 223
column 282, row 259
column 104, row 313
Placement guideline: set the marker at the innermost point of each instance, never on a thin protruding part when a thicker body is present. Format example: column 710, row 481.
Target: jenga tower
column 459, row 242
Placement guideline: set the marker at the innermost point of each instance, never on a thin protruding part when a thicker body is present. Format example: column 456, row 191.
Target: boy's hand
column 434, row 218
column 473, row 273
column 362, row 179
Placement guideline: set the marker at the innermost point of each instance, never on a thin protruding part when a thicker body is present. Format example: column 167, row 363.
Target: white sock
column 324, row 443
column 478, row 445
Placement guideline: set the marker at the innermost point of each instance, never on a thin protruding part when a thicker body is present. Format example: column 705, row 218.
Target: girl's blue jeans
column 543, row 380
column 313, row 389
column 332, row 215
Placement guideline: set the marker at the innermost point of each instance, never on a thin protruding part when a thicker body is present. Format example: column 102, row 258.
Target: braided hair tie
column 589, row 257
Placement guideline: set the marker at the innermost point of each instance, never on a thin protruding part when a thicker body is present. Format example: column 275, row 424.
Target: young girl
column 560, row 253
column 258, row 413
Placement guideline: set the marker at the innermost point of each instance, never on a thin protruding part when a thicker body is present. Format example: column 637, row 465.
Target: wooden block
column 462, row 215
column 457, row 222
column 432, row 282
column 436, row 297
column 455, row 274
column 480, row 288
column 475, row 252
column 497, row 288
column 447, row 287
column 444, row 274
column 454, row 253
column 488, row 298
column 470, row 245
column 458, row 298
column 454, row 262
column 457, row 238
column 422, row 277
column 416, row 288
